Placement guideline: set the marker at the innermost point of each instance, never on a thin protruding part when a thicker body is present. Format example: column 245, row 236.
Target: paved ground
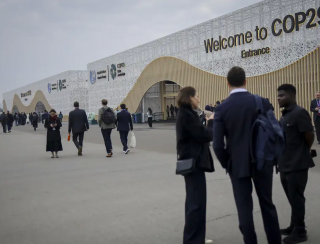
column 133, row 198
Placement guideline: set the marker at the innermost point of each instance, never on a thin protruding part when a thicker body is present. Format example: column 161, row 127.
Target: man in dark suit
column 124, row 124
column 315, row 108
column 78, row 124
column 233, row 119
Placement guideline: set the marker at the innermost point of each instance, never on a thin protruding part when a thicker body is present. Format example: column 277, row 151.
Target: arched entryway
column 15, row 110
column 40, row 107
column 159, row 97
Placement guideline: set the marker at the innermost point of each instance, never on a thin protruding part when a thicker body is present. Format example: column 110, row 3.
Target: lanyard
column 318, row 102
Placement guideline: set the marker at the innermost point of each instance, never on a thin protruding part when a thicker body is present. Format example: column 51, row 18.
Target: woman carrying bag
column 193, row 140
column 53, row 125
column 150, row 116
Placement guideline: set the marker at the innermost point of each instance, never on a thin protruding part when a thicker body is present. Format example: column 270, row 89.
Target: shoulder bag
column 187, row 166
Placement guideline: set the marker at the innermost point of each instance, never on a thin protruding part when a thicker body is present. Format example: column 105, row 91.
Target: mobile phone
column 313, row 153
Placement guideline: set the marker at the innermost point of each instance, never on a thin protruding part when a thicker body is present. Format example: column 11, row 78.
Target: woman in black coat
column 53, row 125
column 193, row 140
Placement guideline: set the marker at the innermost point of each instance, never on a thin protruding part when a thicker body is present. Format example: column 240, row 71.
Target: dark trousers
column 75, row 137
column 195, row 208
column 242, row 190
column 4, row 126
column 294, row 185
column 9, row 126
column 150, row 121
column 106, row 133
column 317, row 125
column 124, row 139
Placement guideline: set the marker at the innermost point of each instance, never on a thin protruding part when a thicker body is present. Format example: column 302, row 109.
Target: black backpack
column 108, row 117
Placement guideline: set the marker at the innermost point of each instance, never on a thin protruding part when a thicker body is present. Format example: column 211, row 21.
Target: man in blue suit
column 124, row 124
column 233, row 120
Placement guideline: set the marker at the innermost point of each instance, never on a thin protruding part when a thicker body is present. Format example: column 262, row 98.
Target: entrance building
column 275, row 41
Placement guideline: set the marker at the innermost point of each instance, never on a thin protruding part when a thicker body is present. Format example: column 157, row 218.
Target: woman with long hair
column 150, row 116
column 193, row 140
column 53, row 125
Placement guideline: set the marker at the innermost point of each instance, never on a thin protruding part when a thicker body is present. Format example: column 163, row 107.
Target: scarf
column 54, row 118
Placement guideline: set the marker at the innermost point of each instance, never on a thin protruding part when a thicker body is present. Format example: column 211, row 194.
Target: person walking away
column 10, row 121
column 172, row 111
column 4, row 121
column 315, row 109
column 31, row 118
column 233, row 121
column 35, row 120
column 60, row 116
column 106, row 121
column 150, row 117
column 78, row 124
column 294, row 164
column 168, row 111
column 124, row 124
column 193, row 143
column 53, row 125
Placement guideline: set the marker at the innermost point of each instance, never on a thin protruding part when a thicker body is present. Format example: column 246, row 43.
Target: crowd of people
column 249, row 143
column 234, row 126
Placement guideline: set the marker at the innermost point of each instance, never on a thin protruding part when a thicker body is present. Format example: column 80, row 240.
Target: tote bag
column 133, row 142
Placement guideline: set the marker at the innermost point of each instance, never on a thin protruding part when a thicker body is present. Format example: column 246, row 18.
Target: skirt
column 54, row 146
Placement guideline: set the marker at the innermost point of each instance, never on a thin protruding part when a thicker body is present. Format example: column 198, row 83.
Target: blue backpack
column 267, row 137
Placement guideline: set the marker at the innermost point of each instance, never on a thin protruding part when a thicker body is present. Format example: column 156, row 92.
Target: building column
column 163, row 101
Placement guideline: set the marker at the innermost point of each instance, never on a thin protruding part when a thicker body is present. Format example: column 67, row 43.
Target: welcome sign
column 288, row 24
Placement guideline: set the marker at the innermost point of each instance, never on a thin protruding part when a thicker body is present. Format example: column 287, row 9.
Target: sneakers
column 207, row 241
column 287, row 231
column 80, row 151
column 127, row 151
column 298, row 235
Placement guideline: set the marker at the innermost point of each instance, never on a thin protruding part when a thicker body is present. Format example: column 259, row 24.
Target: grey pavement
column 134, row 198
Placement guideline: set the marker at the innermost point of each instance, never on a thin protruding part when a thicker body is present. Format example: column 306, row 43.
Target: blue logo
column 49, row 87
column 113, row 71
column 93, row 76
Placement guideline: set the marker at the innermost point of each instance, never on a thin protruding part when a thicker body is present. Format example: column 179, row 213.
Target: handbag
column 186, row 166
column 69, row 137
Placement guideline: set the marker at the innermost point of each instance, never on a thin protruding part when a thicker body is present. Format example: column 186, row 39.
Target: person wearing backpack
column 296, row 160
column 78, row 124
column 124, row 124
column 106, row 121
column 233, row 120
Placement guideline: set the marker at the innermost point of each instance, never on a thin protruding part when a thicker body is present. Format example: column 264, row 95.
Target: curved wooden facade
column 303, row 74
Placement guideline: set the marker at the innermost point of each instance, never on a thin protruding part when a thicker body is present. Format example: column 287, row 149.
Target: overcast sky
column 41, row 38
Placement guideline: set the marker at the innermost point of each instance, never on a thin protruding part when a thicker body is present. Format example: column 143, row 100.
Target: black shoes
column 298, row 235
column 80, row 151
column 287, row 231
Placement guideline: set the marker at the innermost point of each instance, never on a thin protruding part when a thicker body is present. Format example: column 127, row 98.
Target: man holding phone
column 296, row 160
column 315, row 109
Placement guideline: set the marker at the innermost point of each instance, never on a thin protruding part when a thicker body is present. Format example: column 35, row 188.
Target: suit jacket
column 123, row 121
column 313, row 106
column 193, row 138
column 78, row 121
column 233, row 119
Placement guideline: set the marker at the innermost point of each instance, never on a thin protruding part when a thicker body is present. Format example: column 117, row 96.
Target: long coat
column 35, row 119
column 53, row 134
column 193, row 138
